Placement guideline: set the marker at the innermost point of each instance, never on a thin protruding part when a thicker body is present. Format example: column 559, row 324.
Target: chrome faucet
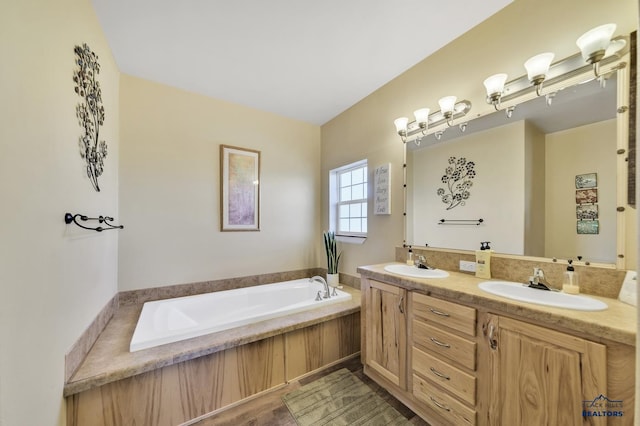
column 324, row 282
column 537, row 280
column 421, row 262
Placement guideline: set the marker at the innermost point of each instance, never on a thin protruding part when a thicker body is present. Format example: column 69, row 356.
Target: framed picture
column 588, row 226
column 589, row 180
column 587, row 211
column 239, row 189
column 587, row 196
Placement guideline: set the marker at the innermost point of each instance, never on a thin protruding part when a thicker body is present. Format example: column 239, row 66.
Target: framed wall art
column 588, row 180
column 587, row 196
column 239, row 189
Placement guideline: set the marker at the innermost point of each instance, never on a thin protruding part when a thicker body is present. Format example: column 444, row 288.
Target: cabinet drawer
column 459, row 383
column 455, row 348
column 445, row 405
column 452, row 315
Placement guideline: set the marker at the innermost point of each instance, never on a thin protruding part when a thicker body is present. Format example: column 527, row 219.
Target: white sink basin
column 415, row 272
column 521, row 292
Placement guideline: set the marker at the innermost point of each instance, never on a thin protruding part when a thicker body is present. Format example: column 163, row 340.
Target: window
column 348, row 201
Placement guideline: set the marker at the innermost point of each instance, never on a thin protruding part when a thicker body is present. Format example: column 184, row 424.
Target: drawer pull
column 439, row 343
column 439, row 374
column 440, row 405
column 437, row 312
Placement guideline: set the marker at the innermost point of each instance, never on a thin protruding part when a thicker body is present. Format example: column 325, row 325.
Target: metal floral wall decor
column 457, row 176
column 90, row 112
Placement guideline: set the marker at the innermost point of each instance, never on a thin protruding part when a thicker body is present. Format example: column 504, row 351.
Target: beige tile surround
column 598, row 280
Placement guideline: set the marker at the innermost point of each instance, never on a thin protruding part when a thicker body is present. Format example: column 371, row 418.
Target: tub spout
column 324, row 282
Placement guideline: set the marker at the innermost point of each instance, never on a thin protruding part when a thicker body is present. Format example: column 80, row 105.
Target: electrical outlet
column 467, row 266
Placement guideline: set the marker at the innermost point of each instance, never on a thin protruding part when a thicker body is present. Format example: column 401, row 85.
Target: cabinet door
column 386, row 331
column 540, row 376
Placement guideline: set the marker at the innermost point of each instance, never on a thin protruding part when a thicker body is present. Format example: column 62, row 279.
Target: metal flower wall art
column 90, row 112
column 457, row 177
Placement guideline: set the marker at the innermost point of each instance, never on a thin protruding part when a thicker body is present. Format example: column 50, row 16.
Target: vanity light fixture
column 597, row 50
column 594, row 44
column 427, row 122
column 537, row 69
column 447, row 106
column 495, row 87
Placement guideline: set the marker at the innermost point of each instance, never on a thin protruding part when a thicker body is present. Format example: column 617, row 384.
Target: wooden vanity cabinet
column 537, row 376
column 385, row 325
column 443, row 358
column 461, row 365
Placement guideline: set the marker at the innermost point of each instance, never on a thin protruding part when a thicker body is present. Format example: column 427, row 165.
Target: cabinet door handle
column 442, row 314
column 439, row 374
column 439, row 404
column 493, row 343
column 439, row 343
column 400, row 305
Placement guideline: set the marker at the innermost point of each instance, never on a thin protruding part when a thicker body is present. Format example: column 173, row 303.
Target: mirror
column 523, row 182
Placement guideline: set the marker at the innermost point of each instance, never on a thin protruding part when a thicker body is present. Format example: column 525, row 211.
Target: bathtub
column 172, row 320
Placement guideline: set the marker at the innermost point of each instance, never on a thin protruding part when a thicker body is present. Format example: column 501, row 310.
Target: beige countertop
column 109, row 359
column 617, row 323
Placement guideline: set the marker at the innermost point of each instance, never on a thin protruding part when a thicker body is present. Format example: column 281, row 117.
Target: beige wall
column 54, row 278
column 497, row 194
column 169, row 189
column 534, row 198
column 585, row 149
column 500, row 44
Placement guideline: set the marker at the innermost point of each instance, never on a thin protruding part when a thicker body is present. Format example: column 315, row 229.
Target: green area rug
column 340, row 399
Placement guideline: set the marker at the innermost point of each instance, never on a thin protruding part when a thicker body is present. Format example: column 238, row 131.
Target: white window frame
column 334, row 202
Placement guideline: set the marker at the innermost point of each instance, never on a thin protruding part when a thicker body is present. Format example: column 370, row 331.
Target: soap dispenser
column 483, row 261
column 410, row 257
column 570, row 281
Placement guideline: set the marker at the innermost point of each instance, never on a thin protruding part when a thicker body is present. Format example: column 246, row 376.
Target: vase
column 332, row 280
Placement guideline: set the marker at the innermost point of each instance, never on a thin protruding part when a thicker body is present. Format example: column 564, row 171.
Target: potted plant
column 333, row 257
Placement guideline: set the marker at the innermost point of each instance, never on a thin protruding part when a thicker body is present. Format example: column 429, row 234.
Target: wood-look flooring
column 269, row 410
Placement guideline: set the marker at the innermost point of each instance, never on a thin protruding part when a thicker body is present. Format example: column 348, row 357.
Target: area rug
column 340, row 399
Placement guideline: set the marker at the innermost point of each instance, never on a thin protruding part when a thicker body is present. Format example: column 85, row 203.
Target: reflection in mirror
column 519, row 175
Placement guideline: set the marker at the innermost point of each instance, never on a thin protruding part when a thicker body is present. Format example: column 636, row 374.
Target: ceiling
column 307, row 60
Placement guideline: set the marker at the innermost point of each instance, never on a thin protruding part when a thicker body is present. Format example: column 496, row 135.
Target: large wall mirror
column 546, row 182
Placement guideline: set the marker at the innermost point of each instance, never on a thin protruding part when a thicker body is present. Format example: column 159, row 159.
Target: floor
column 269, row 410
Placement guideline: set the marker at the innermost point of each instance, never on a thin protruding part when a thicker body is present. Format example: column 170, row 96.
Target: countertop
column 109, row 359
column 617, row 323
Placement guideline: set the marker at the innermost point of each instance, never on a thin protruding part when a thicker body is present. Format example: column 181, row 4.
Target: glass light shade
column 594, row 40
column 538, row 65
column 495, row 84
column 447, row 103
column 422, row 115
column 401, row 124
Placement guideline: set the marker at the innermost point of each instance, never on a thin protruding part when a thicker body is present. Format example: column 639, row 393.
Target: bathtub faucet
column 324, row 282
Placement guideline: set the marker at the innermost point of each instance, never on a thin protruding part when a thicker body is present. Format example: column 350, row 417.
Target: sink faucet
column 421, row 262
column 536, row 281
column 324, row 282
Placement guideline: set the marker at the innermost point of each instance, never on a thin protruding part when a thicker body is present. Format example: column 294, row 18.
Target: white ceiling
column 307, row 60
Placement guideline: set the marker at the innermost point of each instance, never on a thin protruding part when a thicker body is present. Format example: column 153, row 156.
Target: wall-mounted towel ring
column 461, row 221
column 68, row 218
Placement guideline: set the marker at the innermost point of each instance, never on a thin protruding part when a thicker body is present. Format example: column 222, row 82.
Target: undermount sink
column 415, row 272
column 523, row 293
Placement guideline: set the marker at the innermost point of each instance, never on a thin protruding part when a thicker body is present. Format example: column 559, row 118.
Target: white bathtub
column 172, row 320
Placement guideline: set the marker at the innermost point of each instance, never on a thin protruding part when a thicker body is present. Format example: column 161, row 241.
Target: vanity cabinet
column 443, row 358
column 385, row 326
column 456, row 364
column 538, row 376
